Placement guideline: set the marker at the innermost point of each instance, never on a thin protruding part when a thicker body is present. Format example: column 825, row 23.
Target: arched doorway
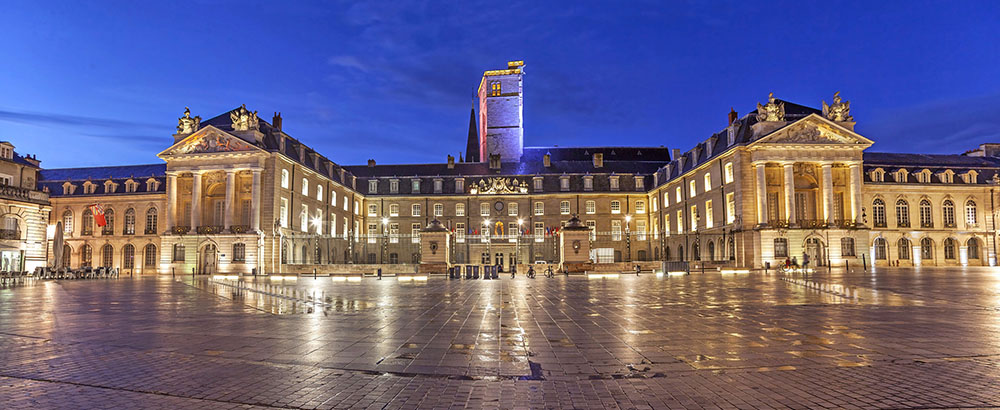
column 816, row 251
column 806, row 209
column 209, row 259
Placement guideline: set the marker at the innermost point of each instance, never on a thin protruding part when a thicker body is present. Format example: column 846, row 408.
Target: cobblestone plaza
column 897, row 338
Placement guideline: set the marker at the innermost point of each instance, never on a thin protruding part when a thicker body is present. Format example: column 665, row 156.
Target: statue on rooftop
column 188, row 124
column 243, row 119
column 772, row 111
column 839, row 110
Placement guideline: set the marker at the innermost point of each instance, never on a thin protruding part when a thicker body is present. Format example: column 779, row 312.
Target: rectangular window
column 372, row 210
column 284, row 213
column 708, row 181
column 333, row 198
column 305, row 187
column 459, row 185
column 319, row 192
column 564, row 183
column 394, row 233
column 460, row 232
column 245, row 212
column 655, row 203
column 539, row 232
column 304, row 219
column 346, row 227
column 588, row 183
column 709, row 219
column 847, row 246
column 640, row 207
column 666, row 225
column 373, row 187
column 591, row 207
column 694, row 217
column 459, row 209
column 593, row 229
column 393, row 209
column 640, row 183
column 564, row 208
column 616, row 207
column 616, row 230
column 415, row 233
column 484, row 209
column 539, row 208
column 438, row 210
column 780, row 248
column 614, row 182
column 730, row 177
column 677, row 195
column 692, row 189
column 357, row 207
column 640, row 230
column 772, row 207
column 730, row 208
column 680, row 221
column 437, row 186
column 415, row 210
column 393, row 186
column 415, row 186
column 512, row 209
column 333, row 225
column 537, row 181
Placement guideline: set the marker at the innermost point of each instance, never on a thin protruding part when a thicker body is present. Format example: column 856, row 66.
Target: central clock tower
column 501, row 113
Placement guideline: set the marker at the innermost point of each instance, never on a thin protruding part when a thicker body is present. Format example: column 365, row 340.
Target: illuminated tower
column 501, row 113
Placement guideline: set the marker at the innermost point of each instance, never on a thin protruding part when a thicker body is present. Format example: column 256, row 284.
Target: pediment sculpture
column 243, row 119
column 500, row 185
column 772, row 111
column 809, row 134
column 213, row 143
column 188, row 124
column 839, row 110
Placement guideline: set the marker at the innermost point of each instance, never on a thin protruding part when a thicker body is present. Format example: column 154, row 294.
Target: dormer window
column 89, row 188
column 415, row 186
column 614, row 183
column 901, row 175
column 564, row 183
column 459, row 185
column 588, row 183
column 947, row 176
column 924, row 176
column 393, row 186
column 438, row 184
column 152, row 185
column 970, row 177
column 878, row 175
column 494, row 88
column 131, row 185
column 640, row 183
column 110, row 187
column 537, row 182
column 373, row 186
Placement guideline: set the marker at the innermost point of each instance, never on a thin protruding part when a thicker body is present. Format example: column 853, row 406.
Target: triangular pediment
column 814, row 130
column 209, row 140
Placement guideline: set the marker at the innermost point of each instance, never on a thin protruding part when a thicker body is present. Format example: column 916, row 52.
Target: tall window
column 284, row 178
column 730, row 177
column 129, row 228
column 87, row 222
column 151, row 221
column 393, row 186
column 539, row 208
column 878, row 213
column 128, row 257
column 902, row 214
column 904, row 248
column 926, row 249
column 948, row 213
column 591, row 207
column 239, row 252
column 319, row 192
column 925, row 214
column 708, row 181
column 305, row 187
column 149, row 255
column 438, row 209
column 178, row 252
column 616, row 207
column 283, row 216
column 564, row 208
column 780, row 248
column 730, row 208
column 640, row 229
column 949, row 248
column 304, row 219
column 970, row 213
column 880, row 249
column 107, row 256
column 692, row 189
column 373, row 186
column 415, row 210
column 616, row 230
column 109, row 222
column 973, row 245
column 67, row 220
column 86, row 255
column 709, row 214
column 67, row 255
column 640, row 207
column 460, row 232
column 459, row 209
column 415, row 186
column 847, row 246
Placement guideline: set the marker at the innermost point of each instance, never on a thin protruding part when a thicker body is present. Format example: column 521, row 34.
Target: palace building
column 237, row 194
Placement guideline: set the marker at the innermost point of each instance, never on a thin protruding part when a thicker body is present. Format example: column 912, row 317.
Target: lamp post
column 628, row 239
column 385, row 237
column 489, row 241
column 517, row 244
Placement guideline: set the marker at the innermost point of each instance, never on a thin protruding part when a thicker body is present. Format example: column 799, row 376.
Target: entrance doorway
column 500, row 260
column 816, row 252
column 209, row 259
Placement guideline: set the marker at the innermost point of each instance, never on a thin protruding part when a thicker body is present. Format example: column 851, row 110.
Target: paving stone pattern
column 909, row 339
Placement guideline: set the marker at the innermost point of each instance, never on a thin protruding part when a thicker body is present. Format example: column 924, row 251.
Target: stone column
column 963, row 255
column 230, row 186
column 855, row 170
column 789, row 192
column 196, row 201
column 255, row 201
column 761, row 194
column 828, row 192
column 171, row 200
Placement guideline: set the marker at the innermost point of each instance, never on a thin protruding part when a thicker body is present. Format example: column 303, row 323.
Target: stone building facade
column 237, row 194
column 24, row 212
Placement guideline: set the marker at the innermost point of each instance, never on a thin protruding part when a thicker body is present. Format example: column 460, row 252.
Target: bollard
column 192, row 272
column 173, row 272
column 864, row 262
column 847, row 265
column 314, row 273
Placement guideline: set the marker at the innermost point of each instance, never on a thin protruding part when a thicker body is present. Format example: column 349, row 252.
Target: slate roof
column 54, row 178
column 985, row 167
column 657, row 154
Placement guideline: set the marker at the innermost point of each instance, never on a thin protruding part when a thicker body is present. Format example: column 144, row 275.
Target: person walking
column 379, row 273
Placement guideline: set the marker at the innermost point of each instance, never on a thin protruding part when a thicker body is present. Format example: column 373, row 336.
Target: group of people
column 793, row 262
column 531, row 272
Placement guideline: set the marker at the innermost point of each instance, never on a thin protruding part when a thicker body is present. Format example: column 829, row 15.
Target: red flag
column 98, row 212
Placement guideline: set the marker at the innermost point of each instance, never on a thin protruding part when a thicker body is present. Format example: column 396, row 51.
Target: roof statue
column 243, row 119
column 499, row 185
column 772, row 111
column 839, row 110
column 188, row 124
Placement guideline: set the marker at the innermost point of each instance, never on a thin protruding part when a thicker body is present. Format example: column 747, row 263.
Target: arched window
column 722, row 249
column 305, row 254
column 107, row 256
column 902, row 214
column 904, row 248
column 711, row 251
column 925, row 214
column 149, row 253
column 696, row 252
column 847, row 246
column 949, row 248
column 680, row 253
column 284, row 252
column 732, row 249
column 87, row 222
column 780, row 248
column 151, row 221
column 128, row 257
column 973, row 245
column 109, row 222
column 239, row 252
column 970, row 213
column 318, row 257
column 86, row 256
column 880, row 249
column 178, row 252
column 67, row 255
column 926, row 249
column 67, row 221
column 666, row 253
column 129, row 228
column 878, row 213
column 948, row 213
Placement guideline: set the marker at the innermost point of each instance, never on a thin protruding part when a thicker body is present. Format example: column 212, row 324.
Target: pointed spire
column 472, row 146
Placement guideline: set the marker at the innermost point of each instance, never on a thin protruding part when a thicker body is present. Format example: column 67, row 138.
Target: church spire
column 472, row 147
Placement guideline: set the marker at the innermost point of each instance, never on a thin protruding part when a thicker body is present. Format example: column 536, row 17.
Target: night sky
column 87, row 83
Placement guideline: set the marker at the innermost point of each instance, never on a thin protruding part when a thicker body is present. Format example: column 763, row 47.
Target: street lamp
column 385, row 238
column 628, row 239
column 517, row 244
column 489, row 241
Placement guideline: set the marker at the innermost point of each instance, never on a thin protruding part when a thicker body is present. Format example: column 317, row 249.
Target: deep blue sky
column 85, row 83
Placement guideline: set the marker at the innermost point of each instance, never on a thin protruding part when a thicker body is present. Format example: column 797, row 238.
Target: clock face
column 498, row 205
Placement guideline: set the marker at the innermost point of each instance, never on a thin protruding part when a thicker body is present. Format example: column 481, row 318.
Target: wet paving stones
column 896, row 338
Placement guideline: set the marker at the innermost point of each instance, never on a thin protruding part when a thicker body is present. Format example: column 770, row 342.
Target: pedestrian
column 637, row 269
column 379, row 273
column 805, row 261
column 513, row 271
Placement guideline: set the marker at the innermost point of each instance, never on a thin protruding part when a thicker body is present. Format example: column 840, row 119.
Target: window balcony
column 150, row 231
column 209, row 229
column 86, row 232
column 903, row 224
column 927, row 224
column 812, row 223
column 10, row 234
column 239, row 228
column 879, row 224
